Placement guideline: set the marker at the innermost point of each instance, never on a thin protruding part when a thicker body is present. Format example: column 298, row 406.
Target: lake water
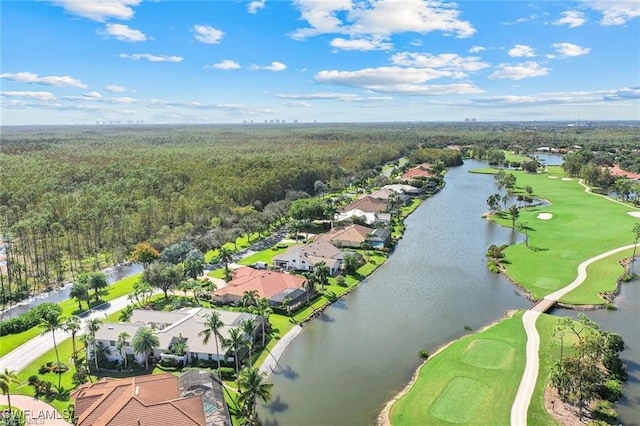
column 364, row 349
column 58, row 295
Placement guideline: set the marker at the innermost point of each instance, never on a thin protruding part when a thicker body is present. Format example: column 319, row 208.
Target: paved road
column 24, row 355
column 521, row 403
column 36, row 412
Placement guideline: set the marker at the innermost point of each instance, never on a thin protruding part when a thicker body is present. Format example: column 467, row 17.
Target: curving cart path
column 521, row 403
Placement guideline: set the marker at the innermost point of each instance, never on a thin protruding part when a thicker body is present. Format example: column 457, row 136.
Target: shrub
column 423, row 354
column 627, row 277
column 604, row 411
column 80, row 377
column 493, row 266
column 340, row 280
column 29, row 319
column 611, row 390
column 227, row 373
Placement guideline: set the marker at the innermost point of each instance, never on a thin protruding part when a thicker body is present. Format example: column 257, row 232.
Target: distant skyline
column 160, row 61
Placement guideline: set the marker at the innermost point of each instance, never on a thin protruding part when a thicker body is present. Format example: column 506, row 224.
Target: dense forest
column 75, row 199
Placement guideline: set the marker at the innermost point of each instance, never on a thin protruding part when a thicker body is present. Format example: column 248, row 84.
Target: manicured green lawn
column 69, row 307
column 242, row 242
column 473, row 379
column 265, row 255
column 65, row 348
column 583, row 225
column 548, row 353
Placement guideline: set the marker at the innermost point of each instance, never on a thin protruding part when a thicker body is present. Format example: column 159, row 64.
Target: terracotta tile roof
column 355, row 234
column 152, row 400
column 422, row 170
column 266, row 283
column 618, row 172
column 366, row 204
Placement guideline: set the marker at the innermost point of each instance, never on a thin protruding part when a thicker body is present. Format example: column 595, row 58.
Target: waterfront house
column 305, row 257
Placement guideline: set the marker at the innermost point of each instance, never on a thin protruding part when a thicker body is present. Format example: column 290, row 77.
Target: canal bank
column 433, row 289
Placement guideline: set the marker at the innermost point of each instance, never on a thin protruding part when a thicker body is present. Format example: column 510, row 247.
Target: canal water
column 344, row 366
column 56, row 296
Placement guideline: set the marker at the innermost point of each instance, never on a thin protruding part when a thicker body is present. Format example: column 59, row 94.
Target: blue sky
column 159, row 61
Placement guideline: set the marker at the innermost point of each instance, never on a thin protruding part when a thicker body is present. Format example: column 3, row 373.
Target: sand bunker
column 634, row 214
column 567, row 179
column 552, row 177
column 544, row 216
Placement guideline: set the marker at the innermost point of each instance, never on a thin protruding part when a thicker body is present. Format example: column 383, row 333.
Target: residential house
column 367, row 204
column 306, row 257
column 346, row 236
column 170, row 327
column 400, row 188
column 420, row 171
column 273, row 285
column 194, row 398
column 369, row 218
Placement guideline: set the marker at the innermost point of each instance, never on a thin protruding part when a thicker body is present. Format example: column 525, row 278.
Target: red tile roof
column 267, row 283
column 143, row 400
column 422, row 170
column 618, row 172
column 366, row 204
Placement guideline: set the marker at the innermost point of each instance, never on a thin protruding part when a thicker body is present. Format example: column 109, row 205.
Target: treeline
column 75, row 199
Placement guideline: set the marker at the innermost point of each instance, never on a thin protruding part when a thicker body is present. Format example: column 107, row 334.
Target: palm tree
column 193, row 268
column 52, row 321
column 144, row 342
column 515, row 214
column 310, row 285
column 636, row 234
column 73, row 325
column 524, row 226
column 87, row 341
column 248, row 328
column 250, row 298
column 98, row 281
column 252, row 386
column 322, row 272
column 212, row 327
column 235, row 342
column 7, row 377
column 121, row 346
column 93, row 325
column 226, row 256
column 264, row 310
column 80, row 292
column 196, row 289
column 125, row 314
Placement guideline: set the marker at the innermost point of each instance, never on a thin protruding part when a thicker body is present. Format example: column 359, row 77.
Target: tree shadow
column 277, row 406
column 287, row 372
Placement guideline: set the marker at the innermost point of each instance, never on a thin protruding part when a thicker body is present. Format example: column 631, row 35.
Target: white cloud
column 396, row 80
column 275, row 66
column 616, row 12
column 416, row 42
column 151, row 58
column 380, row 18
column 572, row 18
column 298, row 104
column 115, row 88
column 560, row 98
column 94, row 95
column 99, row 10
column 332, row 96
column 207, row 34
column 254, row 6
column 519, row 71
column 360, row 44
column 569, row 49
column 532, row 17
column 522, row 51
column 41, row 96
column 476, row 49
column 226, row 64
column 123, row 33
column 459, row 65
column 53, row 80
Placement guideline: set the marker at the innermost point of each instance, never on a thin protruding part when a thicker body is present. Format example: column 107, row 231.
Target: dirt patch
column 565, row 414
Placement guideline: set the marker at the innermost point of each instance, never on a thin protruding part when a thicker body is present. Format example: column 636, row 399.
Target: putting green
column 547, row 282
column 460, row 399
column 487, row 353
